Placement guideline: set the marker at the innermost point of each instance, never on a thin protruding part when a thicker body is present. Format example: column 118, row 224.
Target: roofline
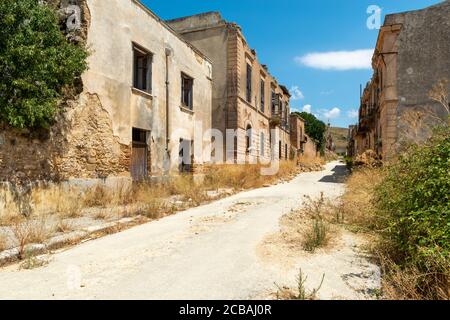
column 285, row 90
column 443, row 2
column 195, row 15
column 165, row 25
column 392, row 26
column 294, row 114
column 230, row 24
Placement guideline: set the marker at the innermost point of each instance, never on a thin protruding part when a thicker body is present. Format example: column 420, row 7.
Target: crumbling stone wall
column 423, row 60
column 92, row 151
column 80, row 144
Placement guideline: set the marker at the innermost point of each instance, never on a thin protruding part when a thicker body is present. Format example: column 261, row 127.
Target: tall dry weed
column 357, row 205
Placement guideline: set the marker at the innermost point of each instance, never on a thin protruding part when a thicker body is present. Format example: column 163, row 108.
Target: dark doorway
column 139, row 155
column 248, row 139
column 280, row 151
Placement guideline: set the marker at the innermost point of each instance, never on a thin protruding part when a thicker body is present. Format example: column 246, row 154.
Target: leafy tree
column 314, row 127
column 36, row 63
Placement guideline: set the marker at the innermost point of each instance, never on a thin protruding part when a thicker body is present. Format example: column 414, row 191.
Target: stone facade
column 246, row 98
column 298, row 134
column 94, row 133
column 310, row 148
column 412, row 56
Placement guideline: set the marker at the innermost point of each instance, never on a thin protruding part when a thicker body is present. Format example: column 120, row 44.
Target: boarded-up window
column 142, row 69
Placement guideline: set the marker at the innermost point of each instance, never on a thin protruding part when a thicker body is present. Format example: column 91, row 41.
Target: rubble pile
column 368, row 159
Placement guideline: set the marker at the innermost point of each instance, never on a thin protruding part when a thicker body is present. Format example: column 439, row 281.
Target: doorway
column 186, row 156
column 139, row 154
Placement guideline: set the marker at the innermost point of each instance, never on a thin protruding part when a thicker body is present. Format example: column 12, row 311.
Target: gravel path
column 209, row 252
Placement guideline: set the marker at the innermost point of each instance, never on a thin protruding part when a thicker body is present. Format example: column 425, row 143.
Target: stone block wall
column 80, row 145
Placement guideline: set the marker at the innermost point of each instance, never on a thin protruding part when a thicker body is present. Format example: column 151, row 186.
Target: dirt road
column 209, row 252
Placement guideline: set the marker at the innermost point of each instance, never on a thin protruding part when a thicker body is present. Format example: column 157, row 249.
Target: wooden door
column 139, row 162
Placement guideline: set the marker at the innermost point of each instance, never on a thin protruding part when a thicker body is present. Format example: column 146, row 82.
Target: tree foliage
column 314, row 127
column 36, row 63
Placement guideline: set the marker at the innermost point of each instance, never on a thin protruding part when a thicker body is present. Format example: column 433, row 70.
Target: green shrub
column 36, row 63
column 349, row 162
column 414, row 203
column 316, row 236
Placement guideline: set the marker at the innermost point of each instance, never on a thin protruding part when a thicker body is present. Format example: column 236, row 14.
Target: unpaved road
column 209, row 252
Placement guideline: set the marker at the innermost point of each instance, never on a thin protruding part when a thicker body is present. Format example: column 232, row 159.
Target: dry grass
column 3, row 245
column 64, row 226
column 409, row 283
column 27, row 231
column 241, row 177
column 9, row 211
column 310, row 227
column 285, row 293
column 56, row 199
column 356, row 206
column 399, row 281
column 316, row 236
column 98, row 196
column 102, row 214
column 151, row 200
column 311, row 161
column 70, row 201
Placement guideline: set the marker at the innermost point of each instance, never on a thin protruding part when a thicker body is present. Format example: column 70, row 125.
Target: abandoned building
column 298, row 134
column 145, row 106
column 246, row 99
column 411, row 62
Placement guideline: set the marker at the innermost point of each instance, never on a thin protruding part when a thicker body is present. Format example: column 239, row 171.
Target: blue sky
column 316, row 48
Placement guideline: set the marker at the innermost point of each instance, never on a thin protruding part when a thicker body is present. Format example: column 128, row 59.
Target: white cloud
column 296, row 93
column 307, row 108
column 353, row 114
column 332, row 114
column 338, row 60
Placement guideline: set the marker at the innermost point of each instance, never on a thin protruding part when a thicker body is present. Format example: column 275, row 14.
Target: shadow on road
column 340, row 174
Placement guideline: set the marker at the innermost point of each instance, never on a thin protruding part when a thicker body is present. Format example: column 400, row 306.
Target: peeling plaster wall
column 110, row 76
